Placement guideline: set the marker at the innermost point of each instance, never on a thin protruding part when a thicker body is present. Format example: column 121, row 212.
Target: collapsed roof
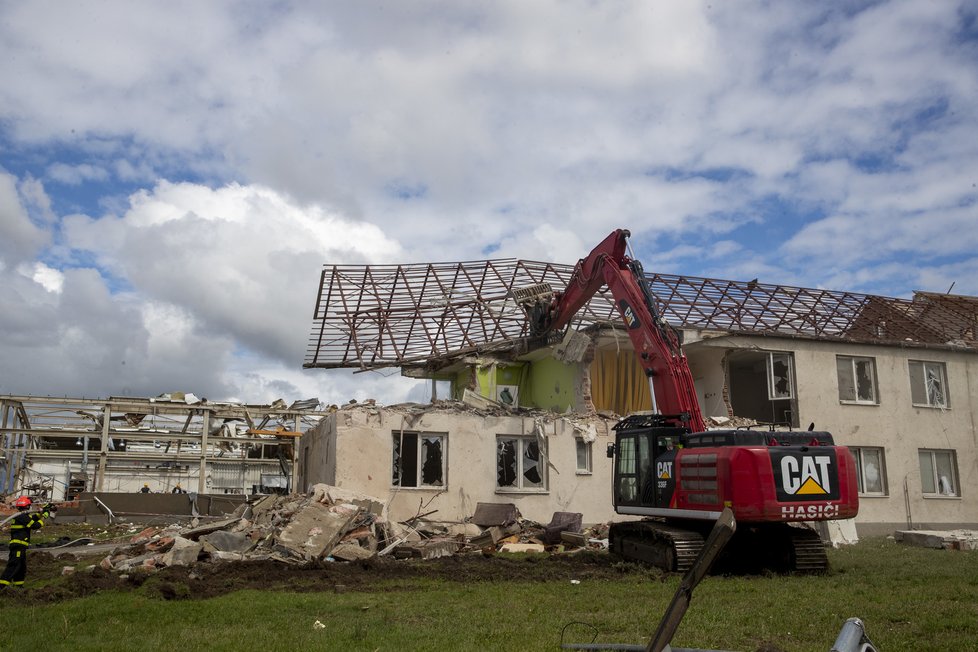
column 430, row 314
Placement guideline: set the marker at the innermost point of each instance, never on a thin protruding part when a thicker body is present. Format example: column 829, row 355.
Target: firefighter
column 20, row 539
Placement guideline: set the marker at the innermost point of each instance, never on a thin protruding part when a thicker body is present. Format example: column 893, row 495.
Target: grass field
column 909, row 599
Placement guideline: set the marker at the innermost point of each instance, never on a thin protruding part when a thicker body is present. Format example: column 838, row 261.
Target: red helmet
column 23, row 501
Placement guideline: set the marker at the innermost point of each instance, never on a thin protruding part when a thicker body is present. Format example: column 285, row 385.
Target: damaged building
column 528, row 422
column 58, row 448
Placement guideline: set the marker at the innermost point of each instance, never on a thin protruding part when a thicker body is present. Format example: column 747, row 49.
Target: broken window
column 583, row 455
column 418, row 460
column 857, row 379
column 519, row 464
column 938, row 472
column 870, row 470
column 779, row 381
column 928, row 384
column 762, row 386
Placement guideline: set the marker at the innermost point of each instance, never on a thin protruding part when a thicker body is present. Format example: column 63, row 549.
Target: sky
column 175, row 175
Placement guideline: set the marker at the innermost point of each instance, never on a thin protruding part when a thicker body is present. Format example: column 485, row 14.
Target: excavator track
column 809, row 554
column 670, row 548
column 776, row 547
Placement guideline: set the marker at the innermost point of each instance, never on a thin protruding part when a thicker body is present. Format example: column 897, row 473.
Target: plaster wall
column 363, row 462
column 706, row 365
column 317, row 454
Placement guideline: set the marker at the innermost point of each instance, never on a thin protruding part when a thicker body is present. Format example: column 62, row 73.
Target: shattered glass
column 431, row 461
column 506, row 462
column 531, row 464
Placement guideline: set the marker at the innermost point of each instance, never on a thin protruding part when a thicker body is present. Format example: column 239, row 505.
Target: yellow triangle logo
column 810, row 487
column 664, row 475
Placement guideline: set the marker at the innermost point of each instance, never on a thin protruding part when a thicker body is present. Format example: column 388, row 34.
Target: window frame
column 397, row 445
column 932, row 453
column 858, row 453
column 519, row 486
column 588, row 448
column 942, row 369
column 854, row 379
column 772, row 393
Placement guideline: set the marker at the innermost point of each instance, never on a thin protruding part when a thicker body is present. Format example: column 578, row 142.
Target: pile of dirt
column 47, row 583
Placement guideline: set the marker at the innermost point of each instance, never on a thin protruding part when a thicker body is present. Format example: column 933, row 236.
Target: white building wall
column 363, row 438
column 895, row 424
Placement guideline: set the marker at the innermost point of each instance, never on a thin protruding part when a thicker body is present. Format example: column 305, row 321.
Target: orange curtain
column 618, row 383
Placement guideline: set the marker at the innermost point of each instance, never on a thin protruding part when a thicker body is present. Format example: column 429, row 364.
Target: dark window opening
column 762, row 386
column 414, row 465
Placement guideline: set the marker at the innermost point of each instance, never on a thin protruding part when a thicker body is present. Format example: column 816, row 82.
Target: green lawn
column 909, row 599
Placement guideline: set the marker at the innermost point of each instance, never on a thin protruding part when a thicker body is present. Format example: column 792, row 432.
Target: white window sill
column 580, row 472
column 844, row 402
column 507, row 490
column 931, row 407
column 874, row 495
column 941, row 497
column 426, row 487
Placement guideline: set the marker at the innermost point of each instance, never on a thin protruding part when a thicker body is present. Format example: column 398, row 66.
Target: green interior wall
column 546, row 384
column 553, row 385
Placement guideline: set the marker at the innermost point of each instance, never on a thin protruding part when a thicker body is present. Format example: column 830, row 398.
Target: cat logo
column 628, row 314
column 663, row 470
column 805, row 475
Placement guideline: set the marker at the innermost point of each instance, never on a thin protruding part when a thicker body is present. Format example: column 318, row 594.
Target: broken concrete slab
column 939, row 539
column 222, row 556
column 132, row 562
column 489, row 514
column 314, row 530
column 573, row 538
column 464, row 530
column 225, row 541
column 197, row 532
column 350, row 552
column 328, row 493
column 183, row 553
column 522, row 547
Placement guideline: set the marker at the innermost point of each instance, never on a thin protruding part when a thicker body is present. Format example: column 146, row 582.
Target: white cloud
column 74, row 175
column 49, row 278
column 737, row 140
column 22, row 239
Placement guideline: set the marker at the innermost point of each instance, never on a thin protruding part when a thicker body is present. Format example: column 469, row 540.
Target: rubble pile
column 334, row 524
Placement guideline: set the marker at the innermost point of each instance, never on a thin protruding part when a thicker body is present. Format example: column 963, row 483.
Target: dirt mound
column 210, row 580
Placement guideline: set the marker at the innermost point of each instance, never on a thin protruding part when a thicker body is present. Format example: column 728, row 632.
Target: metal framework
column 375, row 316
column 104, row 443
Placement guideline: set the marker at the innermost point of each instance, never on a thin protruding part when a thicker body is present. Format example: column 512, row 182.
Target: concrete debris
column 183, row 552
column 225, row 541
column 946, row 540
column 489, row 514
column 729, row 422
column 338, row 525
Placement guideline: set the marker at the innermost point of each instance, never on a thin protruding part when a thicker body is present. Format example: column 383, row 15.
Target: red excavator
column 677, row 474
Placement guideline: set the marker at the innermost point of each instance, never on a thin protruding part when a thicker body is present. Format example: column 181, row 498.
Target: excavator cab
column 645, row 473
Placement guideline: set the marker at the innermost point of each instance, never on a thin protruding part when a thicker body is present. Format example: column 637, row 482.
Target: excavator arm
column 656, row 343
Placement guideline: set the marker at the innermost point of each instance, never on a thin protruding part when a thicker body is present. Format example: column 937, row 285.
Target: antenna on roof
column 949, row 289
